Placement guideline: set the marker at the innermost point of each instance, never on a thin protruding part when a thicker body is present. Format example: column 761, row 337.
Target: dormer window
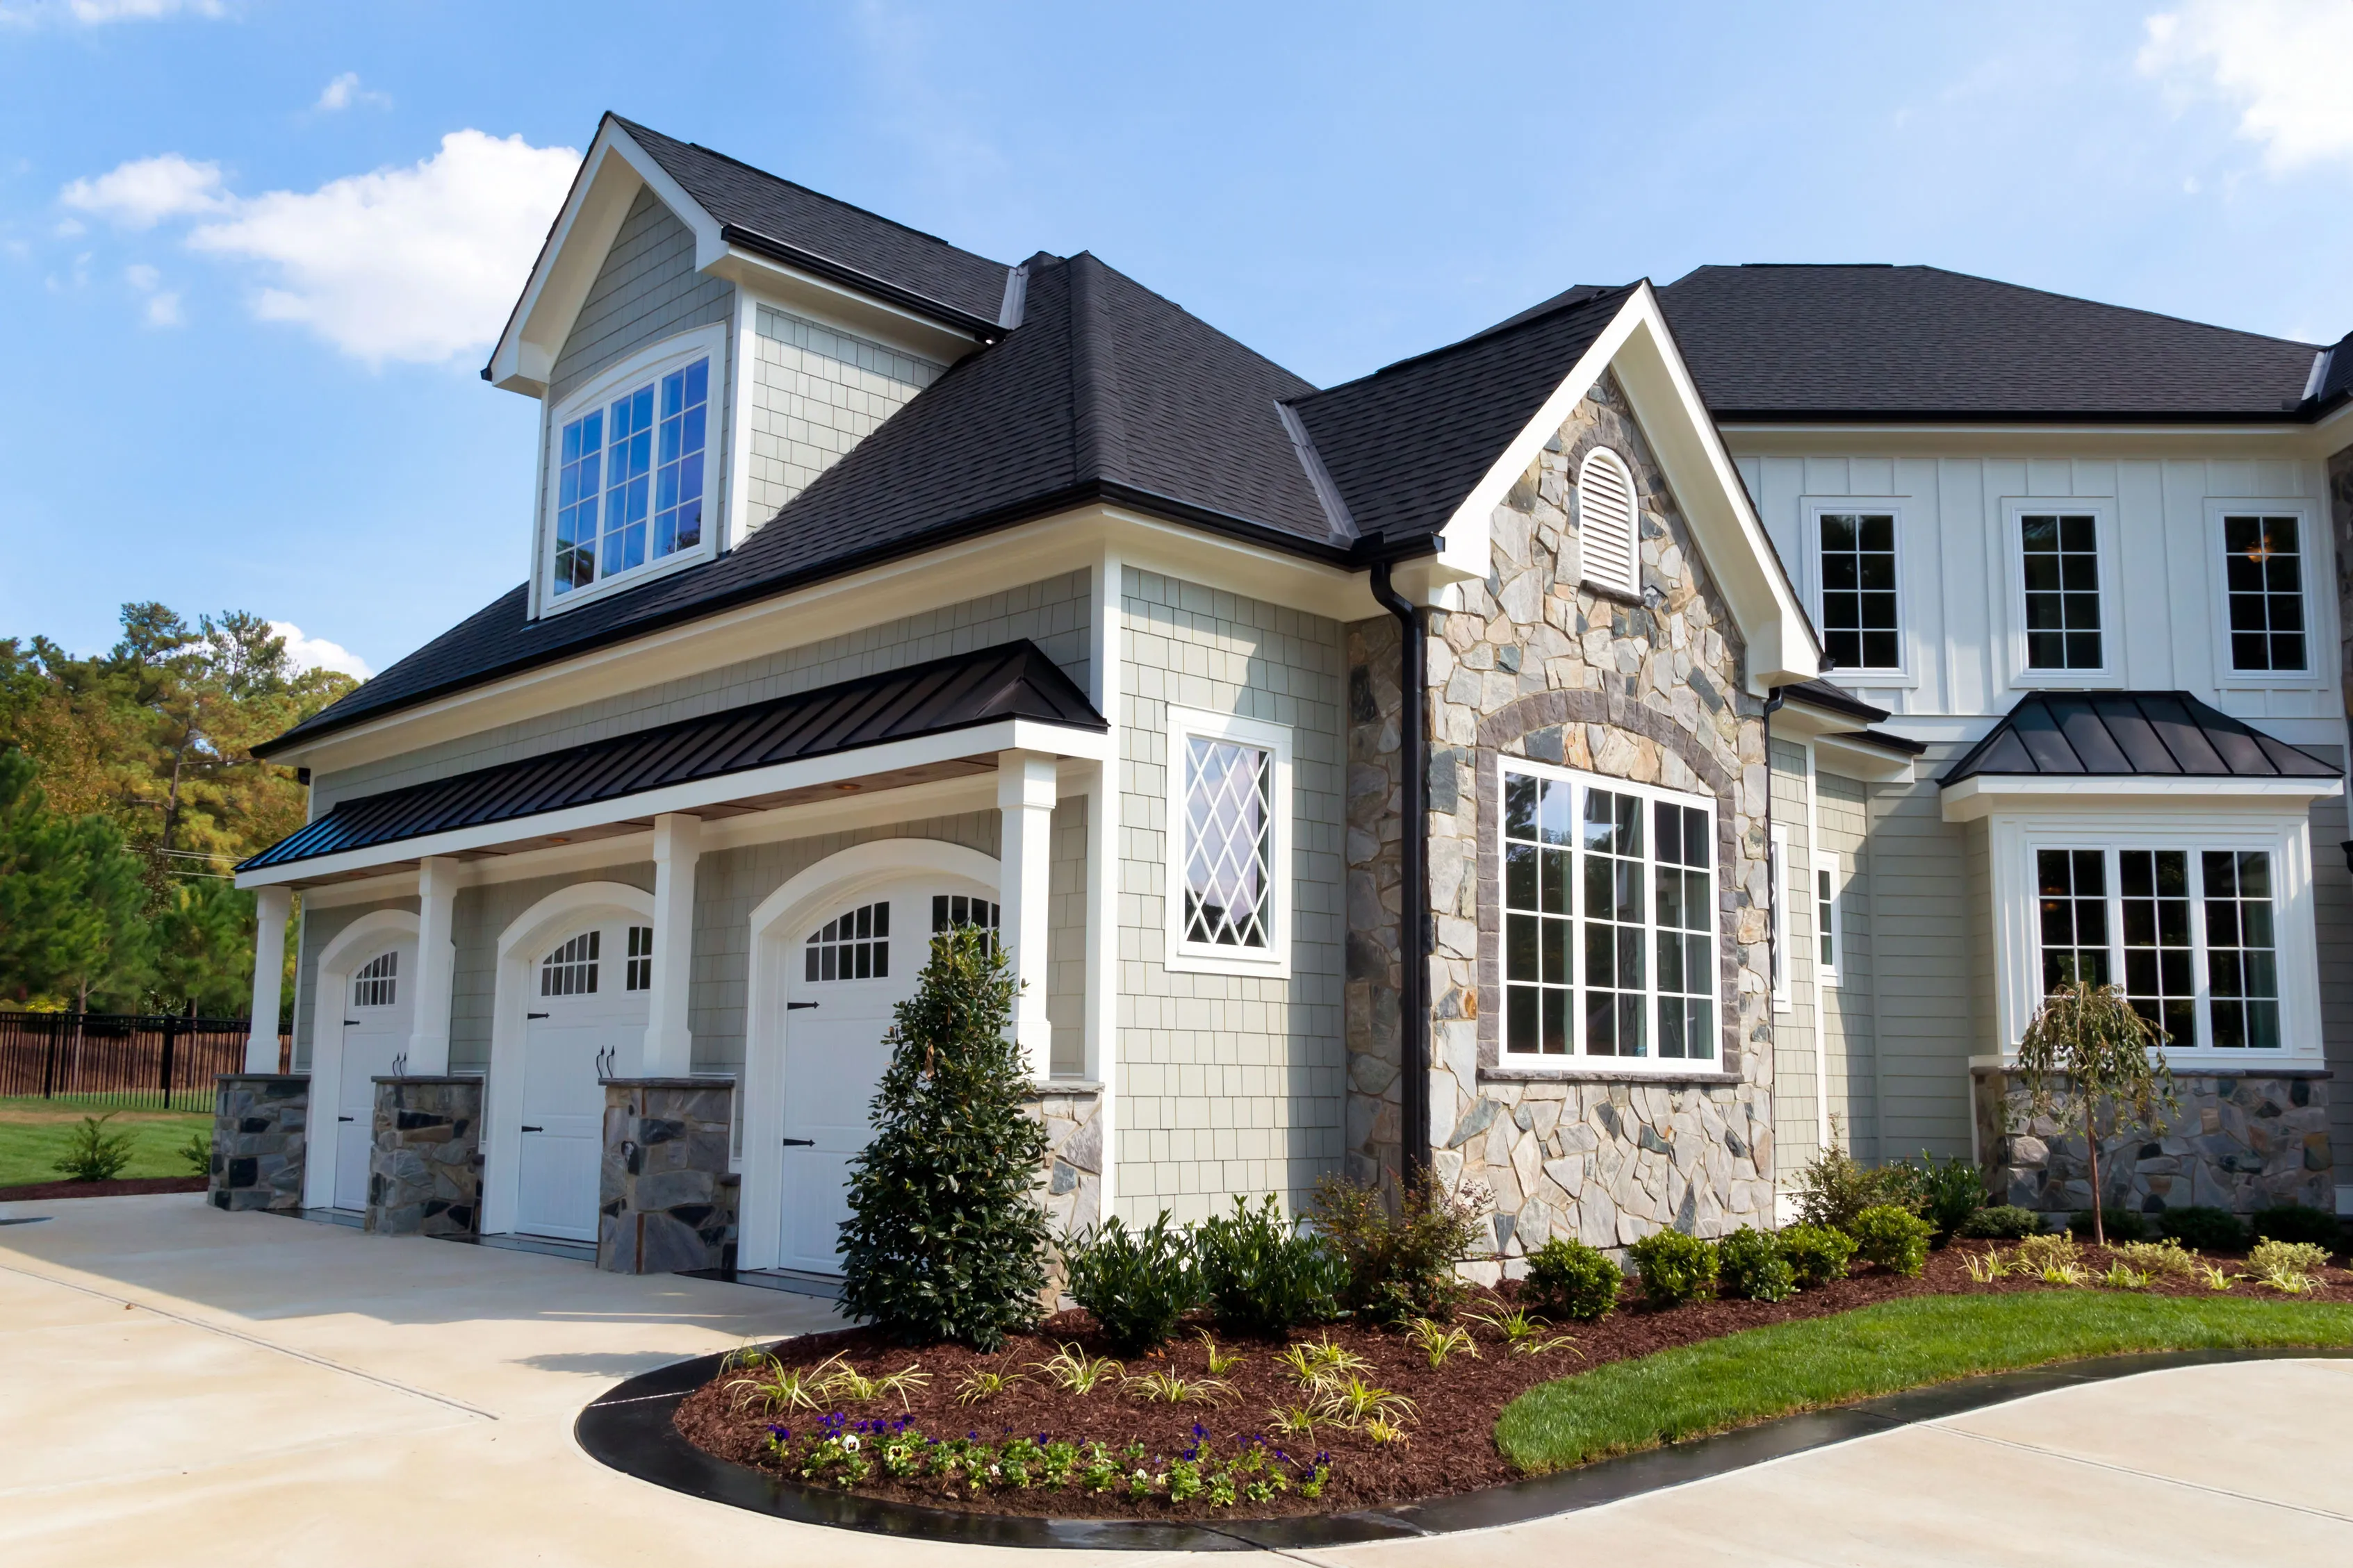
column 632, row 469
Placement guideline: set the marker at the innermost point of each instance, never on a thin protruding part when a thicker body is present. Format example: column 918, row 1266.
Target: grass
column 1693, row 1390
column 32, row 1133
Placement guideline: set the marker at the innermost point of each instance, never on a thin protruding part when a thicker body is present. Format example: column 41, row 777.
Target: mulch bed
column 1452, row 1447
column 134, row 1187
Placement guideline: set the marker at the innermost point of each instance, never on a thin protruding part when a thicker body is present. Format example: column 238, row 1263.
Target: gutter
column 985, row 330
column 1413, row 854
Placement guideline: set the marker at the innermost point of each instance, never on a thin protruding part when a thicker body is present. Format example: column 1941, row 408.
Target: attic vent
column 1608, row 538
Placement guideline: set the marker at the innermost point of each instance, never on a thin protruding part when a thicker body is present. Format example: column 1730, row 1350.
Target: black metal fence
column 120, row 1061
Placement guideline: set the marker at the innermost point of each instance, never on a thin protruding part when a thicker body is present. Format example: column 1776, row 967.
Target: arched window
column 1609, row 534
column 377, row 984
column 853, row 945
column 571, row 970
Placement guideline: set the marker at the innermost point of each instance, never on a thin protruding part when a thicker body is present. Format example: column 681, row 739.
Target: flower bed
column 1121, row 1449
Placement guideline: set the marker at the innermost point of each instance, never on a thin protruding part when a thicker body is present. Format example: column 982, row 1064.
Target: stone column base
column 425, row 1162
column 666, row 1203
column 2242, row 1142
column 260, row 1131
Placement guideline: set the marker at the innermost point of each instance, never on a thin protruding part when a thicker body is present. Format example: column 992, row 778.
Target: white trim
column 647, row 363
column 2318, row 639
column 2018, row 942
column 1578, row 1061
column 349, row 948
column 1853, row 758
column 1777, row 851
column 775, row 930
column 2020, row 674
column 1825, row 975
column 1987, row 793
column 1827, row 863
column 1811, row 508
column 519, row 947
column 1184, row 957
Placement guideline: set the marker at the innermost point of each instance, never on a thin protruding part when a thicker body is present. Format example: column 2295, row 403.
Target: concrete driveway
column 186, row 1386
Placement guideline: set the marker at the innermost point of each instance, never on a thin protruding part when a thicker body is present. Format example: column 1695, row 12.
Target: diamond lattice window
column 1228, row 843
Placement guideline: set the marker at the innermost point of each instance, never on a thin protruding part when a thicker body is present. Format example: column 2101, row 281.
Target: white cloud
column 144, row 191
column 162, row 309
column 417, row 264
column 2284, row 62
column 344, row 91
column 318, row 653
column 141, row 276
column 103, row 13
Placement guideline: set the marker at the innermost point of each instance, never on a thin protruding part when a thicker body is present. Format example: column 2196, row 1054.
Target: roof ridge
column 1098, row 431
column 1601, row 294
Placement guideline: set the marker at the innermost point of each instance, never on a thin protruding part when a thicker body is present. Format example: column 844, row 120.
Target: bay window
column 1608, row 921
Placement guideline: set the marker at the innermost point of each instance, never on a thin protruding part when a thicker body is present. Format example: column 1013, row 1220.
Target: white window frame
column 1608, row 456
column 1777, row 851
column 1809, row 544
column 1178, row 955
column 2015, row 842
column 2319, row 634
column 649, row 363
column 1825, row 864
column 2102, row 511
column 1578, row 1062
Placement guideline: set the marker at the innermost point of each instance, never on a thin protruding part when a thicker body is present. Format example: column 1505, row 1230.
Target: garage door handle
column 534, row 1128
column 797, row 1006
column 350, row 1022
column 800, row 1142
column 343, row 1119
column 534, row 1014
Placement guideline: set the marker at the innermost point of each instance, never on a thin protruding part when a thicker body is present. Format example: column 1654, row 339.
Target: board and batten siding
column 1228, row 1086
column 1956, row 578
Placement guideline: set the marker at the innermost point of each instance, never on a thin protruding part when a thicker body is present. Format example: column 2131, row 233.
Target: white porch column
column 1025, row 795
column 678, row 844
column 271, row 906
column 436, row 964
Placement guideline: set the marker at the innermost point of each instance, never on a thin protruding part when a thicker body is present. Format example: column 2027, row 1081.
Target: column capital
column 1025, row 779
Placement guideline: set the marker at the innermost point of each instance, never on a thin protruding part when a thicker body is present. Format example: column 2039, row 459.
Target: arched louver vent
column 1608, row 541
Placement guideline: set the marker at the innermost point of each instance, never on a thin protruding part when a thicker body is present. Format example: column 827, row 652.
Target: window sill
column 1515, row 1073
column 1219, row 963
column 552, row 605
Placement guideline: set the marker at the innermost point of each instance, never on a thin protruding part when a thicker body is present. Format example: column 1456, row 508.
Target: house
column 876, row 588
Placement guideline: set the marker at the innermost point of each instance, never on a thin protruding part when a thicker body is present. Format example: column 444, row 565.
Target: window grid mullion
column 1577, row 979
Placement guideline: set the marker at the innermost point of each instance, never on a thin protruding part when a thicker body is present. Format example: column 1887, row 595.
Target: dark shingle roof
column 1406, row 443
column 1909, row 342
column 1106, row 391
column 2130, row 734
column 819, row 227
column 2335, row 382
column 1013, row 681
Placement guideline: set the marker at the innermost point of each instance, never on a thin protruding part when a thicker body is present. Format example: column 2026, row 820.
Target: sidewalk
column 184, row 1386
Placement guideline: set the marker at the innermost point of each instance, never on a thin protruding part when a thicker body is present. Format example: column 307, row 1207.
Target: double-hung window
column 2058, row 558
column 1608, row 921
column 2262, row 584
column 1228, row 890
column 1861, row 627
column 2191, row 932
column 632, row 473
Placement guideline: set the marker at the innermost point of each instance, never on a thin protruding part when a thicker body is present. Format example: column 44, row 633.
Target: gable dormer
column 704, row 340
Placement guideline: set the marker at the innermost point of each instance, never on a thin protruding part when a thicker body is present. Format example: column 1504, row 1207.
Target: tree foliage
column 946, row 1239
column 2087, row 1047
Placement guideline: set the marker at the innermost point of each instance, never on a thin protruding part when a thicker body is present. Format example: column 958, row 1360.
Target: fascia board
column 1987, row 793
column 1800, row 719
column 1853, row 760
column 1753, row 438
column 1002, row 735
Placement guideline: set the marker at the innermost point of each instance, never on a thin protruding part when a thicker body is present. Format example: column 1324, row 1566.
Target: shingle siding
column 816, row 392
column 648, row 290
column 1797, row 1088
column 1842, row 808
column 320, row 926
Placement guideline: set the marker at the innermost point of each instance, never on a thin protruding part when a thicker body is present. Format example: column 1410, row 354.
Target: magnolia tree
column 946, row 1239
column 2086, row 1046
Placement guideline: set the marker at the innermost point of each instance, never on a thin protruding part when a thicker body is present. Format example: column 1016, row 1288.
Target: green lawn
column 32, row 1133
column 1788, row 1367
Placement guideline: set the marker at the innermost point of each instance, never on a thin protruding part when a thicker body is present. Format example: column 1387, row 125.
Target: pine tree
column 946, row 1239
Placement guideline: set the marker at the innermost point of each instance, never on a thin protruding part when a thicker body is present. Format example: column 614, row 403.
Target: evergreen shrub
column 2294, row 1222
column 1567, row 1279
column 1817, row 1253
column 1896, row 1240
column 2203, row 1228
column 1260, row 1275
column 2001, row 1222
column 1676, row 1268
column 1749, row 1265
column 2121, row 1225
column 93, row 1155
column 1400, row 1267
column 1137, row 1284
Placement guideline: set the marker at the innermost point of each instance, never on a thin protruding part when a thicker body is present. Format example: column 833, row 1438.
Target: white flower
column 850, row 1443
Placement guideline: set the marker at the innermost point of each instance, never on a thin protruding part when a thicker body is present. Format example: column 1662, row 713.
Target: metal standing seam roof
column 1011, row 681
column 2130, row 734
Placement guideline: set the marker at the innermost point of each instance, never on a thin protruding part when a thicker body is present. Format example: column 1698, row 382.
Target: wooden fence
column 113, row 1060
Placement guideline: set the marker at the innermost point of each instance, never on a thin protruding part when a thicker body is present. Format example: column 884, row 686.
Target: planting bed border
column 630, row 1429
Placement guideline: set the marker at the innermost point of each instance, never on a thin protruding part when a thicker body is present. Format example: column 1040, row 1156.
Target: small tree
column 946, row 1237
column 2090, row 1036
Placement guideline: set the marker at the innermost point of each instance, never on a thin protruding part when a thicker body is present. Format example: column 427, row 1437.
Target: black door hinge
column 800, row 1142
column 797, row 1006
column 534, row 1014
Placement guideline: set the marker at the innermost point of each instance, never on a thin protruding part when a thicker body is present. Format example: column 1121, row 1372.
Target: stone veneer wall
column 1072, row 1175
column 665, row 1202
column 1536, row 665
column 424, row 1158
column 260, row 1127
column 2241, row 1143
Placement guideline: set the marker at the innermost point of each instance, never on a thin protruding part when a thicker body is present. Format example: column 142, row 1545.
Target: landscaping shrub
column 1260, row 1275
column 93, row 1155
column 1944, row 1193
column 946, row 1239
column 1570, row 1279
column 1896, row 1240
column 1749, row 1264
column 1400, row 1267
column 198, row 1151
column 2001, row 1222
column 2122, row 1224
column 1834, row 1187
column 2204, row 1229
column 2292, row 1221
column 1136, row 1283
column 1676, row 1268
column 1817, row 1253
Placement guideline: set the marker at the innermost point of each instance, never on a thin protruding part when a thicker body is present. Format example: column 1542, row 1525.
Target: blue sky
column 252, row 253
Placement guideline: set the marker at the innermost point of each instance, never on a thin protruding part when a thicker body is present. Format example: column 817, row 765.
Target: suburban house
column 1590, row 759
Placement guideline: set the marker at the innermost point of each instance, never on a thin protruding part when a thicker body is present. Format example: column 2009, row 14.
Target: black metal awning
column 2130, row 734
column 1010, row 681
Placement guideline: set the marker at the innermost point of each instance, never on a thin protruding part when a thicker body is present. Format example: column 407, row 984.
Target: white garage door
column 375, row 1030
column 585, row 1020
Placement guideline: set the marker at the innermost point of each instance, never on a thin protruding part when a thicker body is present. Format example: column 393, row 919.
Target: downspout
column 1413, row 856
